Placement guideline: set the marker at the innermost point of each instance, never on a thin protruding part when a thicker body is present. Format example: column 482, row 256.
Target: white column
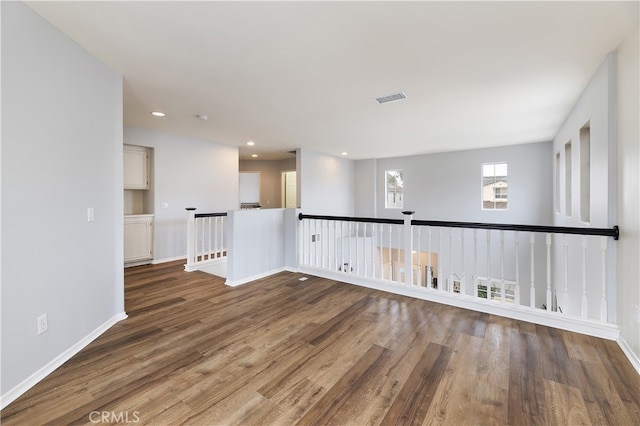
column 191, row 236
column 408, row 248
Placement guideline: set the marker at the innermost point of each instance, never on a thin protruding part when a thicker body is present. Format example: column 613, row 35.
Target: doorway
column 289, row 189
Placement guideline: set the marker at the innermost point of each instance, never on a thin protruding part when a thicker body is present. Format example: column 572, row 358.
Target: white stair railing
column 565, row 269
column 206, row 241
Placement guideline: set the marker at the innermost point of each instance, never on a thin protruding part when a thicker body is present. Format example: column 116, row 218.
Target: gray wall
column 447, row 186
column 187, row 172
column 628, row 129
column 61, row 154
column 326, row 184
column 270, row 179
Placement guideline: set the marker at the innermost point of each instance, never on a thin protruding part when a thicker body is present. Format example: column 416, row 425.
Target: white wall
column 326, row 184
column 187, row 172
column 447, row 186
column 595, row 106
column 61, row 153
column 365, row 188
column 628, row 133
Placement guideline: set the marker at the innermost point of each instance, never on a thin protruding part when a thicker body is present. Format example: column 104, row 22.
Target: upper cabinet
column 136, row 167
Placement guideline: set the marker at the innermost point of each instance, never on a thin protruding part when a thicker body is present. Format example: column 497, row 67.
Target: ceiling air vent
column 391, row 98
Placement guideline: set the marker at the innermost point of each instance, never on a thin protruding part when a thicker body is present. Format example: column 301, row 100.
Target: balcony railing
column 557, row 276
column 206, row 241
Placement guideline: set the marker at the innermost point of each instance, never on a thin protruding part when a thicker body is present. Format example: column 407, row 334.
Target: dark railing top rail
column 210, row 214
column 352, row 219
column 605, row 232
column 197, row 215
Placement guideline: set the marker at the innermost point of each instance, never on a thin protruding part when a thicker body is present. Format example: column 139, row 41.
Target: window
column 394, row 189
column 494, row 186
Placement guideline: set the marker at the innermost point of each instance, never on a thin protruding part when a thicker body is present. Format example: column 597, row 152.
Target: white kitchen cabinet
column 136, row 167
column 138, row 238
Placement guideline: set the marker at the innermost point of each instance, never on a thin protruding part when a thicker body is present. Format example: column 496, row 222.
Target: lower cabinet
column 138, row 238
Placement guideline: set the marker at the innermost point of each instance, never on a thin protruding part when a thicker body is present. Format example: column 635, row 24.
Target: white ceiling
column 304, row 74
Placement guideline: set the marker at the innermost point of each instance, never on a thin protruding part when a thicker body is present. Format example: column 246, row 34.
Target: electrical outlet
column 43, row 323
column 164, row 205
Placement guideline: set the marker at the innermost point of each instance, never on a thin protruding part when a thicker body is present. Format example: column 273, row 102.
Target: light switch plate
column 164, row 205
column 90, row 214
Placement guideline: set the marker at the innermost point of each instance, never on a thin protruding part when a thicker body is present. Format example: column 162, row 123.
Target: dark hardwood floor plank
column 281, row 351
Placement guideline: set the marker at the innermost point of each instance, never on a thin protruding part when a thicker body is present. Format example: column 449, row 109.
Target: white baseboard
column 633, row 357
column 253, row 277
column 11, row 395
column 169, row 259
column 522, row 313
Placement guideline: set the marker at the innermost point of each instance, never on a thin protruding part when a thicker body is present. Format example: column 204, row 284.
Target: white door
column 289, row 190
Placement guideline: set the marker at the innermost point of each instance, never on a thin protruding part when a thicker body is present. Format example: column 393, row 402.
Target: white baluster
column 532, row 291
column 202, row 250
column 565, row 297
column 191, row 236
column 310, row 252
column 584, row 303
column 450, row 285
column 489, row 296
column 217, row 235
column 463, row 277
column 419, row 278
column 429, row 273
column 441, row 284
column 407, row 243
column 209, row 237
column 603, row 300
column 517, row 289
column 380, row 243
column 475, row 263
column 390, row 257
column 502, row 283
column 357, row 252
column 549, row 304
column 342, row 256
column 350, row 266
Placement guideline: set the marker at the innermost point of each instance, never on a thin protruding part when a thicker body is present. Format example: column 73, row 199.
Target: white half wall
column 61, row 155
column 187, row 172
column 256, row 244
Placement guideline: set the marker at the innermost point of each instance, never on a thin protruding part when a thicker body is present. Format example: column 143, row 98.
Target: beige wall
column 270, row 178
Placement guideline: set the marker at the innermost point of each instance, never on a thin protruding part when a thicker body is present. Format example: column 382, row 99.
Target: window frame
column 494, row 193
column 394, row 205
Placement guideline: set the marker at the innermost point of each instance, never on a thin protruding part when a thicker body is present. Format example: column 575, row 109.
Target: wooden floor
column 281, row 351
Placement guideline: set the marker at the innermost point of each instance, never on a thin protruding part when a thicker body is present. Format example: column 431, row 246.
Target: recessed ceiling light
column 251, row 143
column 344, row 153
column 254, row 155
column 158, row 114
